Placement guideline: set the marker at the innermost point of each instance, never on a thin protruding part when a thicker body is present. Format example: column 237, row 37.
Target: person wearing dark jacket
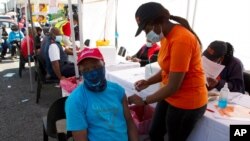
column 76, row 27
column 147, row 54
column 55, row 56
column 222, row 52
column 4, row 44
column 38, row 37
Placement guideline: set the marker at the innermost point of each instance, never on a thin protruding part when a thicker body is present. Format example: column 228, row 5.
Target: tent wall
column 226, row 20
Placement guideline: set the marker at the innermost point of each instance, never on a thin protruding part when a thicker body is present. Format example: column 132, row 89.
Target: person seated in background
column 24, row 47
column 15, row 38
column 4, row 42
column 24, row 44
column 56, row 59
column 76, row 27
column 223, row 53
column 38, row 37
column 147, row 54
column 97, row 110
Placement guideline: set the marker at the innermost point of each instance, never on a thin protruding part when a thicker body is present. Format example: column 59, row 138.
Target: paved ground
column 20, row 116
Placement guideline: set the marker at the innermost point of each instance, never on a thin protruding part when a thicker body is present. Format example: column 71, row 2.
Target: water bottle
column 223, row 96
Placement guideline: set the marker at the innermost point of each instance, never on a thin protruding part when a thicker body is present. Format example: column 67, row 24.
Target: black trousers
column 4, row 48
column 177, row 123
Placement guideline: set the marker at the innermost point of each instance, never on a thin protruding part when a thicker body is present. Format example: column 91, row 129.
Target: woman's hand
column 135, row 59
column 135, row 99
column 212, row 83
column 141, row 84
column 128, row 58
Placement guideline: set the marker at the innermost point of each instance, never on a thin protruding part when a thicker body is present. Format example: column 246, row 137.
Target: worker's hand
column 136, row 59
column 135, row 99
column 141, row 84
column 128, row 58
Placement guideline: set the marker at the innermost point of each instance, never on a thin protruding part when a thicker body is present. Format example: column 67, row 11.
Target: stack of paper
column 211, row 68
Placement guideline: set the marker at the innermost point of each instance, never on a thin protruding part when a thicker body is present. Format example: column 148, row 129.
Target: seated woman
column 15, row 37
column 147, row 54
column 222, row 52
column 25, row 52
column 4, row 43
column 24, row 45
column 97, row 110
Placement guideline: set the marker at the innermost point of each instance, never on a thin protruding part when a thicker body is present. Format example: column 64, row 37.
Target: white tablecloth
column 122, row 64
column 208, row 128
column 127, row 78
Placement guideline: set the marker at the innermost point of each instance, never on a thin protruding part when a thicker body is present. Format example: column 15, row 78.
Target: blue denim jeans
column 175, row 122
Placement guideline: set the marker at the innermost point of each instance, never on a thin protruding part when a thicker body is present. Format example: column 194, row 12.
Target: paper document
column 211, row 68
column 242, row 100
column 233, row 112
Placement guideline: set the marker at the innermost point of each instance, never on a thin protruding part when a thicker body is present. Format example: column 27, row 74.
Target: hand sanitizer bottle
column 223, row 96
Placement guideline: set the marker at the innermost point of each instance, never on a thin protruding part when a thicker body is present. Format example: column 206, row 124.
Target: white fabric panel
column 54, row 52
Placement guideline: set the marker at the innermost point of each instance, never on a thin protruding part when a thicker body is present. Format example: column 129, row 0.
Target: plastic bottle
column 223, row 96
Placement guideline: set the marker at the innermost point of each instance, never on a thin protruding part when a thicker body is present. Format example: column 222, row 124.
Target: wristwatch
column 144, row 100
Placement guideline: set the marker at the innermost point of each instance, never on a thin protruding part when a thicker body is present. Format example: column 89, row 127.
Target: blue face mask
column 148, row 44
column 153, row 37
column 58, row 39
column 95, row 80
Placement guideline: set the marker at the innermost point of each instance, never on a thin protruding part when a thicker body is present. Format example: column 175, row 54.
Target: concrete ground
column 20, row 116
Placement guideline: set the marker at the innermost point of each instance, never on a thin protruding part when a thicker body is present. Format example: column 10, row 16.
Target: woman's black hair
column 229, row 55
column 166, row 16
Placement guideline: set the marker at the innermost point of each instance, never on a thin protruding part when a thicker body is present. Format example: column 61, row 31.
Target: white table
column 208, row 128
column 128, row 77
column 122, row 64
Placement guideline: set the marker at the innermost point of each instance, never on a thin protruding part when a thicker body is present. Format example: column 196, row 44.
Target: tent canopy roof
column 59, row 1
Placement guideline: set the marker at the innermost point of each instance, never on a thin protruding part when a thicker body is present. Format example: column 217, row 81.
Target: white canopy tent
column 59, row 1
column 225, row 20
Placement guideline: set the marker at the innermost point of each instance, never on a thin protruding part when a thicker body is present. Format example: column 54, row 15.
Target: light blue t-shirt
column 100, row 113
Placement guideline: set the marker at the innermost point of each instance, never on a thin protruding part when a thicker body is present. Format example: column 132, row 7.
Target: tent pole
column 116, row 30
column 80, row 22
column 28, row 39
column 188, row 6
column 194, row 15
column 15, row 16
column 73, row 37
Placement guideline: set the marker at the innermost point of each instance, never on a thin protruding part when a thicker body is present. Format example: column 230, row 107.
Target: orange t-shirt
column 180, row 52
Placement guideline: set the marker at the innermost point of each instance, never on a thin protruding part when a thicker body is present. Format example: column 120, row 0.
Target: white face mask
column 148, row 44
column 58, row 38
column 153, row 37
